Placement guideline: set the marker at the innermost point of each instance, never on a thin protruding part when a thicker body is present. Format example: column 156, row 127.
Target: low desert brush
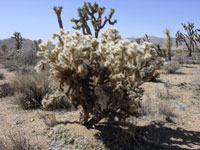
column 30, row 88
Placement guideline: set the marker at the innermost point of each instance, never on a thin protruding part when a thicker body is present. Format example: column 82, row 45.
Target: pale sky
column 35, row 19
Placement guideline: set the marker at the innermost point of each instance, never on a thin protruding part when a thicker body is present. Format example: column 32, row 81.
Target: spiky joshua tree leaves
column 168, row 43
column 92, row 14
column 102, row 76
column 188, row 38
column 18, row 39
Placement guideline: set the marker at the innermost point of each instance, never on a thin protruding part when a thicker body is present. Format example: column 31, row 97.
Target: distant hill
column 10, row 43
column 155, row 40
column 27, row 44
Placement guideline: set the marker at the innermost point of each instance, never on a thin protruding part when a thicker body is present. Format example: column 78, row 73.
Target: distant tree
column 18, row 40
column 188, row 38
column 168, row 43
column 158, row 50
column 138, row 40
column 37, row 43
column 58, row 11
column 92, row 13
column 197, row 35
column 4, row 47
column 146, row 38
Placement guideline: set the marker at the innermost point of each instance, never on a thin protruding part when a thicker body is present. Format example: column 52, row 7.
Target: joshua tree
column 4, row 47
column 36, row 44
column 188, row 38
column 147, row 38
column 58, row 11
column 19, row 40
column 138, row 40
column 168, row 43
column 197, row 35
column 158, row 49
column 94, row 14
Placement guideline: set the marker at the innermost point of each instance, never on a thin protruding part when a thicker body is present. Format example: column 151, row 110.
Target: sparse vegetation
column 2, row 76
column 30, row 88
column 6, row 90
column 96, row 90
column 18, row 141
column 49, row 119
column 171, row 66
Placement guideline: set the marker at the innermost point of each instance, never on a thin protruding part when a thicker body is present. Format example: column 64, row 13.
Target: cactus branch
column 87, row 13
column 188, row 38
column 58, row 11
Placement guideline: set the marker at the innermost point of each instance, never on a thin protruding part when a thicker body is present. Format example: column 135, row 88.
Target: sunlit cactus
column 168, row 43
column 102, row 76
column 18, row 40
column 92, row 14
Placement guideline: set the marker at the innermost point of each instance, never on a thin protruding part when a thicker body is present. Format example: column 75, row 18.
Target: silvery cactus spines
column 102, row 76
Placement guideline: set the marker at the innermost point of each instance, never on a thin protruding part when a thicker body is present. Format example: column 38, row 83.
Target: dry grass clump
column 159, row 106
column 11, row 65
column 18, row 141
column 14, row 60
column 180, row 58
column 49, row 119
column 30, row 88
column 2, row 76
column 6, row 90
column 171, row 67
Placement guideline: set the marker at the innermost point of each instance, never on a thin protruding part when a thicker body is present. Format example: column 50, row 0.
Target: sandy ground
column 181, row 131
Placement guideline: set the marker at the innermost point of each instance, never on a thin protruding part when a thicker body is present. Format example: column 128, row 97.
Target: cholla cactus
column 104, row 76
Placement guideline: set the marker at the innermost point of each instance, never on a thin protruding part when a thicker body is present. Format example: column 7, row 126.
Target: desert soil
column 159, row 130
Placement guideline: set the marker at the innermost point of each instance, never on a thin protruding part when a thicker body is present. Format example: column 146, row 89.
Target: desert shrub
column 178, row 51
column 171, row 66
column 48, row 119
column 104, row 76
column 180, row 58
column 6, row 90
column 158, row 106
column 197, row 50
column 11, row 65
column 56, row 100
column 15, row 60
column 30, row 88
column 18, row 141
column 164, row 51
column 2, row 76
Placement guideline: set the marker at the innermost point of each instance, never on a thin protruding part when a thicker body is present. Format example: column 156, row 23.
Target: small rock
column 31, row 120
